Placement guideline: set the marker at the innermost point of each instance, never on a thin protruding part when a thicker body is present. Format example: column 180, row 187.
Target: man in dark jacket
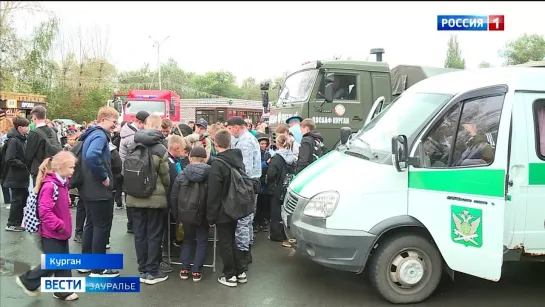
column 97, row 187
column 16, row 175
column 35, row 151
column 219, row 181
column 148, row 213
column 312, row 145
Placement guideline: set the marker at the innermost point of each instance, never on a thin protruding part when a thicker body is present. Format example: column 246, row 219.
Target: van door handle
column 357, row 118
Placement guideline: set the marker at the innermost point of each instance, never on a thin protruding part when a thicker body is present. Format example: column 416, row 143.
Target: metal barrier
column 214, row 239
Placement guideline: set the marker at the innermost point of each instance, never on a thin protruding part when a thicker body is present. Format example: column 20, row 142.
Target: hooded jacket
column 193, row 173
column 158, row 200
column 188, row 134
column 277, row 169
column 56, row 218
column 96, row 165
column 307, row 150
column 219, row 180
column 17, row 175
column 127, row 140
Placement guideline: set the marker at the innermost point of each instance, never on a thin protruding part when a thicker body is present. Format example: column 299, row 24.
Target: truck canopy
column 405, row 76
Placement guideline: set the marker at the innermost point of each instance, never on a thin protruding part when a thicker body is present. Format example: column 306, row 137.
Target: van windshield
column 406, row 116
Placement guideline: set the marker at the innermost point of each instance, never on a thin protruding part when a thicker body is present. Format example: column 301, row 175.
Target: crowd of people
column 160, row 172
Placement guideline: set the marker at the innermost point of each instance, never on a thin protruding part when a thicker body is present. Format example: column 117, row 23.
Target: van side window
column 478, row 132
column 539, row 123
column 344, row 87
column 438, row 143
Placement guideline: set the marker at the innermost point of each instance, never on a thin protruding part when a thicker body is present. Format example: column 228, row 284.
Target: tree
column 528, row 47
column 484, row 64
column 454, row 54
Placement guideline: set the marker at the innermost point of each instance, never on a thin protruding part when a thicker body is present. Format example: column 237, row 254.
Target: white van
column 449, row 178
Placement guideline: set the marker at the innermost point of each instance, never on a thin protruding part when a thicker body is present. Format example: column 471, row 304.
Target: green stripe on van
column 536, row 174
column 485, row 182
column 313, row 170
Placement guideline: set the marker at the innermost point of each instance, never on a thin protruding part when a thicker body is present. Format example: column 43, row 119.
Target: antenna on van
column 378, row 52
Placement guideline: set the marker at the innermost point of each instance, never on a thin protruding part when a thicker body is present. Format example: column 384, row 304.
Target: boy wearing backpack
column 147, row 180
column 219, row 183
column 42, row 142
column 312, row 145
column 188, row 195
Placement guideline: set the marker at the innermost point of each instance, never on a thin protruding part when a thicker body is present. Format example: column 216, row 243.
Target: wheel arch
column 393, row 226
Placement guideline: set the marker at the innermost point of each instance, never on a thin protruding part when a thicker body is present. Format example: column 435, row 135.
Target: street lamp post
column 158, row 44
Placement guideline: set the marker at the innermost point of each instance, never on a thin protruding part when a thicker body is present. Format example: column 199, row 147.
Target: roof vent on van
column 378, row 52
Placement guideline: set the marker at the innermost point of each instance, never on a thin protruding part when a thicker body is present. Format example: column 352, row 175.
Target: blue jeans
column 199, row 234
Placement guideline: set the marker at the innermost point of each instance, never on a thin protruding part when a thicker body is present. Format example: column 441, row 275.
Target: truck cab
column 355, row 85
column 164, row 103
column 449, row 179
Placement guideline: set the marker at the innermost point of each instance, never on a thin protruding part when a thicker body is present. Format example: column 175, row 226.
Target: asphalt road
column 276, row 278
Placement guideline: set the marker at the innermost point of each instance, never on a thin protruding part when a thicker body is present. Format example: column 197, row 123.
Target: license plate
column 285, row 218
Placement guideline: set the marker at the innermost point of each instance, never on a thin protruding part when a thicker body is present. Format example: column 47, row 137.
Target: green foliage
column 454, row 54
column 528, row 47
column 484, row 64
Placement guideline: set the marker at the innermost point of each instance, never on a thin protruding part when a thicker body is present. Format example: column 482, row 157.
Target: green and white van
column 450, row 178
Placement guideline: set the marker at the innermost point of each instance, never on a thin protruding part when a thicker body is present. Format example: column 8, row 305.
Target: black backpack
column 76, row 181
column 192, row 202
column 3, row 149
column 318, row 150
column 139, row 175
column 288, row 172
column 52, row 144
column 240, row 199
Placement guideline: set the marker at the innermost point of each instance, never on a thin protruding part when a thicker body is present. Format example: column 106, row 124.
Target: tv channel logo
column 470, row 22
column 62, row 284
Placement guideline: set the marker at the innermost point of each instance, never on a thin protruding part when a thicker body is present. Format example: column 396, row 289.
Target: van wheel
column 405, row 269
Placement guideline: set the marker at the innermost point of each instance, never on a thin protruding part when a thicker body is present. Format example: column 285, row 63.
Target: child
column 118, row 179
column 276, row 173
column 262, row 213
column 178, row 149
column 56, row 221
column 189, row 196
column 218, row 187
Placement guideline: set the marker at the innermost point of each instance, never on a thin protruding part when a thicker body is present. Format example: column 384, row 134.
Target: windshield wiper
column 356, row 154
column 375, row 155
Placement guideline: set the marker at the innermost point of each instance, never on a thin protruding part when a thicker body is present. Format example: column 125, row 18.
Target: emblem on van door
column 466, row 226
column 339, row 110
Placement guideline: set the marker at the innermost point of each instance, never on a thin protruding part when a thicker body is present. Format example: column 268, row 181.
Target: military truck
column 341, row 93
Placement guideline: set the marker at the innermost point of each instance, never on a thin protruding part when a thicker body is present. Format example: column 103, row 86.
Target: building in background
column 13, row 104
column 215, row 110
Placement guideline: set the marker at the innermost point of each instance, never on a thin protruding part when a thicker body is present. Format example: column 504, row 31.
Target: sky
column 265, row 39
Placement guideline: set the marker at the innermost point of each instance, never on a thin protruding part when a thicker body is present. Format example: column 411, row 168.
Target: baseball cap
column 236, row 121
column 197, row 152
column 202, row 122
column 142, row 115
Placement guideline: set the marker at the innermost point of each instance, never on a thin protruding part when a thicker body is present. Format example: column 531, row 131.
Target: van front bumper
column 340, row 249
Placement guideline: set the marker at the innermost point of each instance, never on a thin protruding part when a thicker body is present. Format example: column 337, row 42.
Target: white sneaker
column 8, row 206
column 231, row 282
column 242, row 278
column 108, row 246
column 83, row 271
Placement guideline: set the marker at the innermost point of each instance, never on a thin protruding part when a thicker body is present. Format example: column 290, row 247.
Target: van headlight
column 322, row 205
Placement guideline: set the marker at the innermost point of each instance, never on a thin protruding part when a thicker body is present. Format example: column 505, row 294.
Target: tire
column 410, row 250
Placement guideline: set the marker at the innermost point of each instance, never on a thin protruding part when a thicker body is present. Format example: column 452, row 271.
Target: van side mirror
column 345, row 134
column 400, row 154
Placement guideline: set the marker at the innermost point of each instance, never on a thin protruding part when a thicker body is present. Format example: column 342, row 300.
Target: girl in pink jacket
column 56, row 221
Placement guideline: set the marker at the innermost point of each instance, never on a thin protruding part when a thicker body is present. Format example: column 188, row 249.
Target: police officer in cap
column 295, row 129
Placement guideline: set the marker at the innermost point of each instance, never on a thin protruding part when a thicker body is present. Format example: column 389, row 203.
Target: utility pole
column 158, row 45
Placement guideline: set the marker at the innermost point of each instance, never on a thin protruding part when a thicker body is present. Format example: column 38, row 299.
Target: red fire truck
column 164, row 103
